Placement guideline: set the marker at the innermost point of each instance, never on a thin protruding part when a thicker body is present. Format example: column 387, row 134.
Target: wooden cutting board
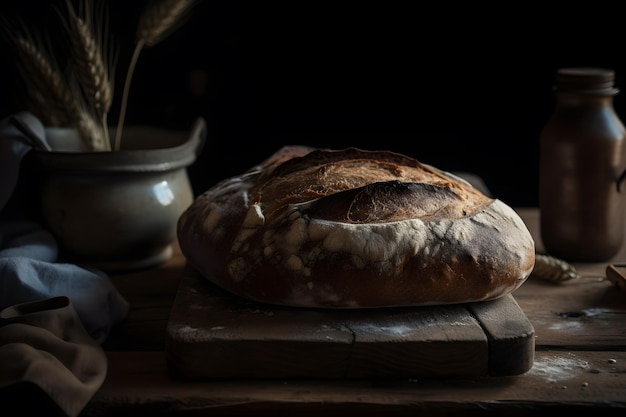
column 213, row 334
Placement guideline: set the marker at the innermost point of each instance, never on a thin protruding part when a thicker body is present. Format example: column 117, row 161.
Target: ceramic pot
column 119, row 210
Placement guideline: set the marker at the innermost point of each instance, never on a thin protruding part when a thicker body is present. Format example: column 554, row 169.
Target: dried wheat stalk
column 83, row 97
column 157, row 20
column 51, row 95
column 549, row 268
column 91, row 72
column 90, row 67
column 53, row 100
column 91, row 131
column 56, row 97
column 160, row 18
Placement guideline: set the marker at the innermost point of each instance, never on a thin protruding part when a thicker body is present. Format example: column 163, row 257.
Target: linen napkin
column 50, row 365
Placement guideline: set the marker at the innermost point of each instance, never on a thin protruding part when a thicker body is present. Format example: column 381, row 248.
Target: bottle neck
column 575, row 99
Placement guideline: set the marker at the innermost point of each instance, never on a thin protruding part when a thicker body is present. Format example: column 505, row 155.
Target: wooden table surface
column 579, row 363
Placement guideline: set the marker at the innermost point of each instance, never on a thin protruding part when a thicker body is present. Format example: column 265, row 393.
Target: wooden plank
column 212, row 334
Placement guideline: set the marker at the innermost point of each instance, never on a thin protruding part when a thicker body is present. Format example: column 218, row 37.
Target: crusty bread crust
column 355, row 229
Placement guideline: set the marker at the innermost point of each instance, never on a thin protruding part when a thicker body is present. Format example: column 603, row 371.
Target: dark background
column 463, row 88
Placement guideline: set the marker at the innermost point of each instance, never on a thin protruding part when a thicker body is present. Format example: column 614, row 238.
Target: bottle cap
column 593, row 81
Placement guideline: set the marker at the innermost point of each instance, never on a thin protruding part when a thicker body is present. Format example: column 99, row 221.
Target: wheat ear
column 57, row 102
column 91, row 132
column 157, row 20
column 91, row 70
column 44, row 82
column 553, row 269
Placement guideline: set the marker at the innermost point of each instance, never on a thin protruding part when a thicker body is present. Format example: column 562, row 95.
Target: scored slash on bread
column 353, row 228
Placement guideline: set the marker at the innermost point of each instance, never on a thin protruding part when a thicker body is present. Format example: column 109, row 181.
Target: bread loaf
column 353, row 228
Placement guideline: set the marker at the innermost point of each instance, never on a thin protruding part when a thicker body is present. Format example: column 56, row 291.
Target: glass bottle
column 582, row 158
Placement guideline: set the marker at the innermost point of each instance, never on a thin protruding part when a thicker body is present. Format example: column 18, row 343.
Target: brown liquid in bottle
column 582, row 157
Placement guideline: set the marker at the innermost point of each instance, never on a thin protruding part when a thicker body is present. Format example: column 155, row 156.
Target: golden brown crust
column 355, row 229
